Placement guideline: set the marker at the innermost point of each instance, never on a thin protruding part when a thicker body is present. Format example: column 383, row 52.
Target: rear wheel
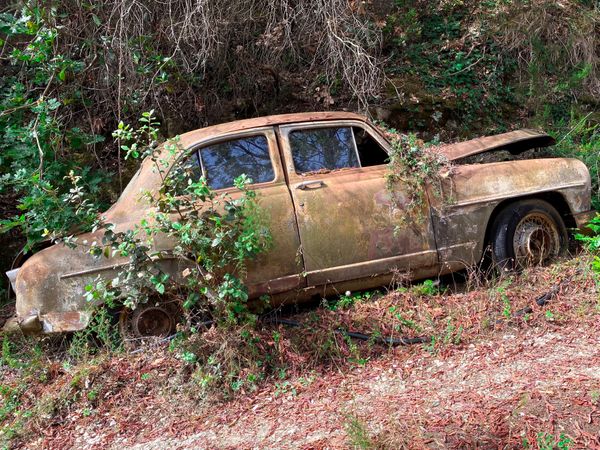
column 526, row 233
column 157, row 318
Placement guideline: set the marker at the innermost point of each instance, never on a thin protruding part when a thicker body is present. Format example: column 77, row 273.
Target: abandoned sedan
column 335, row 222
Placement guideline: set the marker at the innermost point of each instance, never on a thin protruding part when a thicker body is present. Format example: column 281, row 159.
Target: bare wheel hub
column 536, row 240
column 152, row 321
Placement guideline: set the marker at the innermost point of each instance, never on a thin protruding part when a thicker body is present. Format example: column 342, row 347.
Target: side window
column 369, row 150
column 326, row 149
column 224, row 162
column 323, row 149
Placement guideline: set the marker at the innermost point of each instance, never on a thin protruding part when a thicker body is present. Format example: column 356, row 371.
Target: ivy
column 415, row 167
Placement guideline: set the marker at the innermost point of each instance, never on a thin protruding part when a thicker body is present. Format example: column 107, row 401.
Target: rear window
column 224, row 162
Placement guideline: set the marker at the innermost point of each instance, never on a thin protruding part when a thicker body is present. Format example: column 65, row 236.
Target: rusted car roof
column 514, row 141
column 193, row 137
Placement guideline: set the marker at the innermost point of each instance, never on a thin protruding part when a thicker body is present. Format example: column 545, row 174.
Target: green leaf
column 53, row 104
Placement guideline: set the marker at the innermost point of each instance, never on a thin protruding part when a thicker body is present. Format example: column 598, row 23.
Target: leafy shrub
column 578, row 136
column 33, row 134
column 592, row 243
column 215, row 236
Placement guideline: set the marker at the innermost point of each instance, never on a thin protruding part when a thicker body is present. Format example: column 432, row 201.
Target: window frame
column 268, row 133
column 285, row 130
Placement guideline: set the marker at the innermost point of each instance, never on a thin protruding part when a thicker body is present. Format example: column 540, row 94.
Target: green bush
column 34, row 94
column 592, row 243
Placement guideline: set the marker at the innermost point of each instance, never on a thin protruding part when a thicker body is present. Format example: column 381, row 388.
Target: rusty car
column 322, row 180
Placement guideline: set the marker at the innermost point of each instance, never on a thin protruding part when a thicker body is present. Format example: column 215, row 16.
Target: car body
column 321, row 178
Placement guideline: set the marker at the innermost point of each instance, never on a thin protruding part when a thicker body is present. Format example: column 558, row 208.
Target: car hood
column 514, row 141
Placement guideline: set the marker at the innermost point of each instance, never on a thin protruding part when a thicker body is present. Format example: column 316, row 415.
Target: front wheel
column 526, row 233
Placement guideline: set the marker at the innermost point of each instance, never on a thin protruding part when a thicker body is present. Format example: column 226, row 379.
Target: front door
column 349, row 226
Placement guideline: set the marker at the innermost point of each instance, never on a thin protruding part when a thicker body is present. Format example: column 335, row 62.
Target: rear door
column 349, row 226
column 256, row 154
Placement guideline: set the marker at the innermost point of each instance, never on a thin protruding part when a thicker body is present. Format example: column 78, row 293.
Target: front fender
column 48, row 298
column 461, row 213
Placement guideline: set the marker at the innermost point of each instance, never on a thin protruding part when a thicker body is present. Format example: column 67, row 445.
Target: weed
column 101, row 333
column 92, row 395
column 357, row 433
column 307, row 381
column 431, row 347
column 10, row 399
column 595, row 397
column 452, row 335
column 428, row 288
column 547, row 441
column 348, row 299
column 592, row 243
column 285, row 388
column 506, row 310
column 501, row 291
column 8, row 358
column 402, row 320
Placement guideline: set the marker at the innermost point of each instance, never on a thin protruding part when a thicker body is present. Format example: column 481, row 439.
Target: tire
column 156, row 319
column 527, row 233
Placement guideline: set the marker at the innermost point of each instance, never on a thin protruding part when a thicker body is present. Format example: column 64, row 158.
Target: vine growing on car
column 214, row 236
column 415, row 167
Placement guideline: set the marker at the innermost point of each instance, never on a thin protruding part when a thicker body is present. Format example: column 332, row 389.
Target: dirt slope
column 486, row 394
column 523, row 384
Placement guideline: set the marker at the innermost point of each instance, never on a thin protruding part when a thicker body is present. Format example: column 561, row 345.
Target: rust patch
column 59, row 322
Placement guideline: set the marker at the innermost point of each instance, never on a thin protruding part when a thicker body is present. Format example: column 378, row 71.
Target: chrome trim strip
column 514, row 194
column 12, row 277
column 425, row 258
column 104, row 268
column 93, row 270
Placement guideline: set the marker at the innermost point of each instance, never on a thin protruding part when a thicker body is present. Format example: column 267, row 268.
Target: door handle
column 314, row 184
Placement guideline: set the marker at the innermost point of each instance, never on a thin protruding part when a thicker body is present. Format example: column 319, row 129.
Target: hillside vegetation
column 448, row 69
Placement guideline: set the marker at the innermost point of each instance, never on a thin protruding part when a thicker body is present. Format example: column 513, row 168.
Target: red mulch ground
column 503, row 386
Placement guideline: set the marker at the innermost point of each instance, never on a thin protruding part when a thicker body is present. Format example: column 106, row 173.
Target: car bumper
column 48, row 323
column 582, row 219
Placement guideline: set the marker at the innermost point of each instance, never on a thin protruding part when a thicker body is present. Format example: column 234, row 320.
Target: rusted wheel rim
column 150, row 320
column 536, row 240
